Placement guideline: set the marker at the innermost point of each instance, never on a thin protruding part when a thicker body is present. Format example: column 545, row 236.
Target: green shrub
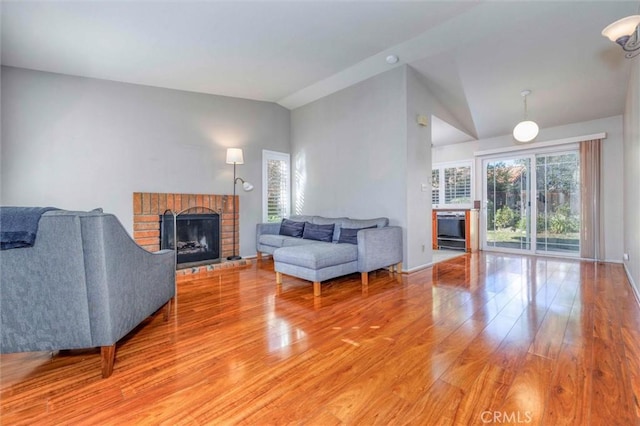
column 522, row 224
column 563, row 222
column 541, row 223
column 505, row 218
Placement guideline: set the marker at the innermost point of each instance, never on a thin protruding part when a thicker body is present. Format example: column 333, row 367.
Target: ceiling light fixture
column 392, row 59
column 625, row 32
column 526, row 130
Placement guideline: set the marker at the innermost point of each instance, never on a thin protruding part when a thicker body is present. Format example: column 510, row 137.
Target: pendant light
column 526, row 130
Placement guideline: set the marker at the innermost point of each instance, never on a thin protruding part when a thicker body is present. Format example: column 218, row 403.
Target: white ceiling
column 475, row 57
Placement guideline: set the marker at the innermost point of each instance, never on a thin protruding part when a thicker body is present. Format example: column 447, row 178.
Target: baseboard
column 632, row 283
column 255, row 256
column 417, row 268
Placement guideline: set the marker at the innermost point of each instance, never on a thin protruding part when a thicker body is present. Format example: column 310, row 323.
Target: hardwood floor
column 479, row 339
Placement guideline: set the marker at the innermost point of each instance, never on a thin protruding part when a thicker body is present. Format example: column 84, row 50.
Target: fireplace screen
column 198, row 237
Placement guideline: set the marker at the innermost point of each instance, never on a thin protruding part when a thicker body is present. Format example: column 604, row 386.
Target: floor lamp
column 234, row 156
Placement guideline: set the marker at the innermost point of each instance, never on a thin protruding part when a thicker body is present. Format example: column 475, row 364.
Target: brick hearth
column 148, row 206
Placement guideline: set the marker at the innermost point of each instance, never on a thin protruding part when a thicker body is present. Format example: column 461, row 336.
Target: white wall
column 612, row 159
column 360, row 153
column 419, row 234
column 80, row 143
column 420, row 101
column 632, row 175
column 349, row 151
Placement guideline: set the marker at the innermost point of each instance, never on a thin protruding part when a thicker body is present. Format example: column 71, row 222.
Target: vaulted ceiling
column 475, row 57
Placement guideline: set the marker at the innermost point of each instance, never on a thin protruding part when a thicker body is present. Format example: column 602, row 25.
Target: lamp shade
column 621, row 28
column 525, row 131
column 247, row 186
column 234, row 156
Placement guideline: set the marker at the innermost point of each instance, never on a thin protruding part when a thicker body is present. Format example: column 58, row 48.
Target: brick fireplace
column 148, row 206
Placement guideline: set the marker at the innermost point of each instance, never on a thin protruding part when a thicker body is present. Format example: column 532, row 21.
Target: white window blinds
column 276, row 185
column 451, row 185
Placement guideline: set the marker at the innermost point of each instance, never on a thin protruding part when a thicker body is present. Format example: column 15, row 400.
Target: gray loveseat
column 85, row 283
column 372, row 244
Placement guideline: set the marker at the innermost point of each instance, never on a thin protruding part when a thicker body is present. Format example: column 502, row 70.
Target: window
column 276, row 184
column 452, row 185
column 435, row 186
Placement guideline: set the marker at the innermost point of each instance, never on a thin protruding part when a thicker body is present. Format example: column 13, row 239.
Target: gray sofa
column 85, row 283
column 378, row 246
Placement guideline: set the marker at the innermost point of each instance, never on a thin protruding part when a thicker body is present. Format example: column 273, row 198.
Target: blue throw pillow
column 318, row 232
column 291, row 228
column 350, row 235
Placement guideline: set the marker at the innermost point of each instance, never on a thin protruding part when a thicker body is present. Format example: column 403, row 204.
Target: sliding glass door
column 532, row 203
column 558, row 203
column 507, row 204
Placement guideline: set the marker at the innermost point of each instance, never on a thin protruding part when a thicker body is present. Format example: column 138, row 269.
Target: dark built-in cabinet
column 455, row 229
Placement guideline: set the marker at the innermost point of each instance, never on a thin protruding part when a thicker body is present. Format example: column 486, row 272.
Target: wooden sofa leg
column 316, row 288
column 259, row 256
column 399, row 267
column 365, row 283
column 167, row 309
column 108, row 355
column 278, row 283
column 365, row 278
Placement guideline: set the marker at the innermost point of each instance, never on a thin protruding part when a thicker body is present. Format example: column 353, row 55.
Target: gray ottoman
column 316, row 262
